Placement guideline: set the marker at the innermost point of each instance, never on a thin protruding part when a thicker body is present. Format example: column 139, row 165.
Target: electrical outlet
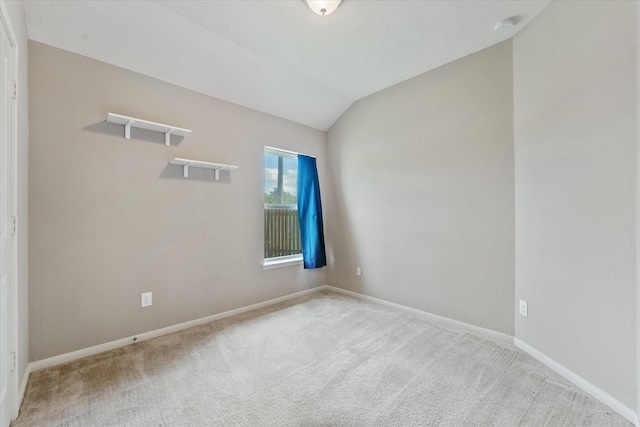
column 524, row 308
column 145, row 299
column 358, row 271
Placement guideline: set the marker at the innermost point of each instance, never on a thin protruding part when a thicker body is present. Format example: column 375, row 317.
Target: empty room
column 319, row 213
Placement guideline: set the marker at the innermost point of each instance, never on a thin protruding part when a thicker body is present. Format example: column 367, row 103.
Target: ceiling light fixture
column 323, row 7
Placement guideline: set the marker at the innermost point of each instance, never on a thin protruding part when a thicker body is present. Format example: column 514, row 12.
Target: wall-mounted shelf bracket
column 127, row 129
column 186, row 164
column 167, row 136
column 130, row 122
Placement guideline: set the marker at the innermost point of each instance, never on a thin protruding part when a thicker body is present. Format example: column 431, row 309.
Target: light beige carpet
column 321, row 360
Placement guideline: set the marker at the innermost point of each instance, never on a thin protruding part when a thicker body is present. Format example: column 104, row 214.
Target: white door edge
column 13, row 205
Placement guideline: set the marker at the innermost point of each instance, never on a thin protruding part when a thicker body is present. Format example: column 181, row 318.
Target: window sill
column 270, row 264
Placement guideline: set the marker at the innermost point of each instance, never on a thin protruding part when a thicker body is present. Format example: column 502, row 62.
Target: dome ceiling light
column 323, row 7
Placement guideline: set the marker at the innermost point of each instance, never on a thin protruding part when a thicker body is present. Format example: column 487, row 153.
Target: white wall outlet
column 358, row 271
column 524, row 308
column 145, row 299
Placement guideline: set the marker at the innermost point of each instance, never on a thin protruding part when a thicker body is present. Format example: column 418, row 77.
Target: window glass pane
column 280, row 179
column 281, row 229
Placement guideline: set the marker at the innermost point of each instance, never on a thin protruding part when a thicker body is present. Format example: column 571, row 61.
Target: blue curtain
column 310, row 213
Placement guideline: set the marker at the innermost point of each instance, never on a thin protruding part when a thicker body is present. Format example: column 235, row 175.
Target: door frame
column 637, row 236
column 13, row 209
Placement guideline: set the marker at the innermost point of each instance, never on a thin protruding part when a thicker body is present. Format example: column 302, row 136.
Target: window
column 281, row 230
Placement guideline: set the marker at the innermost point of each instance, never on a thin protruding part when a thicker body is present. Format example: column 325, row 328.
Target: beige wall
column 423, row 178
column 424, row 183
column 575, row 151
column 110, row 219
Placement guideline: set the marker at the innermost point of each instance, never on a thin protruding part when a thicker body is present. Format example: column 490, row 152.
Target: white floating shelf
column 217, row 167
column 130, row 122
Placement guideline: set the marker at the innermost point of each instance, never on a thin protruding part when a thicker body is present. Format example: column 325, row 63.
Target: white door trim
column 637, row 236
column 13, row 209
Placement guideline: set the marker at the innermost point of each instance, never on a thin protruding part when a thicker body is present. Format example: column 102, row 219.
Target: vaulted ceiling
column 277, row 56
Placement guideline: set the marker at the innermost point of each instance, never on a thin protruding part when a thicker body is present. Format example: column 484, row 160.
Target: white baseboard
column 101, row 348
column 498, row 336
column 585, row 385
column 23, row 388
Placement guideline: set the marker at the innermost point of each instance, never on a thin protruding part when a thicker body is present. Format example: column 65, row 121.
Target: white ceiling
column 277, row 56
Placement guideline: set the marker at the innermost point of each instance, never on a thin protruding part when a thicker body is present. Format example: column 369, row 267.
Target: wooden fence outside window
column 281, row 231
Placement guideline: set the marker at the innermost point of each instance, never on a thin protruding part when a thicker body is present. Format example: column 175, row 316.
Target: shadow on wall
column 137, row 134
column 169, row 171
column 195, row 174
